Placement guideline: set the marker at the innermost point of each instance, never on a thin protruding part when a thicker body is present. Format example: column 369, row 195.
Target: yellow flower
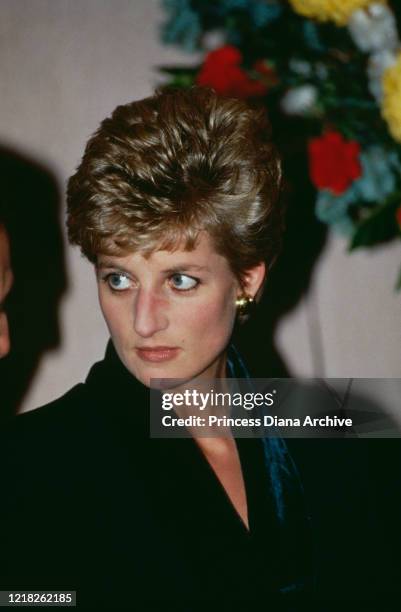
column 391, row 105
column 330, row 10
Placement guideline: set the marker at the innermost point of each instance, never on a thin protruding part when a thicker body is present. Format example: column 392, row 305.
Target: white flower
column 299, row 100
column 377, row 64
column 374, row 28
column 321, row 71
column 300, row 67
column 213, row 39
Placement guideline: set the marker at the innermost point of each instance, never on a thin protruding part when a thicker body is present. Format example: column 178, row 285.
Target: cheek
column 210, row 321
column 114, row 311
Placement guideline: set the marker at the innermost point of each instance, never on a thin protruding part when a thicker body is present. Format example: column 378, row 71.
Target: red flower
column 222, row 71
column 398, row 216
column 333, row 162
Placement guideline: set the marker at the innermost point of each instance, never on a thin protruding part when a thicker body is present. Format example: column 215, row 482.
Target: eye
column 118, row 281
column 183, row 282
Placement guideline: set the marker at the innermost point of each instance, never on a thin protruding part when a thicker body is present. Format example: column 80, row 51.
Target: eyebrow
column 109, row 263
column 186, row 266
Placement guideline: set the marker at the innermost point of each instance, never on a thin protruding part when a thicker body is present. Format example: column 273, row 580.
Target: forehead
column 203, row 254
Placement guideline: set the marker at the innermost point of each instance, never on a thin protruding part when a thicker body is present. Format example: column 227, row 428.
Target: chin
column 163, row 379
column 154, row 376
column 163, row 374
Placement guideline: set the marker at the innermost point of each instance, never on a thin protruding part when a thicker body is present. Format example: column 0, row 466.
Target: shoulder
column 80, row 424
column 47, row 436
column 54, row 414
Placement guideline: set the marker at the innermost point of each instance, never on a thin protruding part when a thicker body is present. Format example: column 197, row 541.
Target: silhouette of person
column 31, row 244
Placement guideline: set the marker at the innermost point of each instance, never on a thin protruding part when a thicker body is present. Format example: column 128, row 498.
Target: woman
column 175, row 204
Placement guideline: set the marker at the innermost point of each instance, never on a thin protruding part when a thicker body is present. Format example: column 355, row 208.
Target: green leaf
column 180, row 81
column 178, row 71
column 380, row 226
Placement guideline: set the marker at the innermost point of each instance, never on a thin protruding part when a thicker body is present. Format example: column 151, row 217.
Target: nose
column 150, row 313
column 4, row 335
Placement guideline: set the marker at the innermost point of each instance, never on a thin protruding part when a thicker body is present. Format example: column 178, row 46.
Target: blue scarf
column 286, row 489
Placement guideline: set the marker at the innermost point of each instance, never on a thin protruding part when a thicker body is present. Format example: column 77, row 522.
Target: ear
column 253, row 279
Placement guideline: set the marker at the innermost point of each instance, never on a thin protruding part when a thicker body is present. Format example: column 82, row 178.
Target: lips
column 157, row 353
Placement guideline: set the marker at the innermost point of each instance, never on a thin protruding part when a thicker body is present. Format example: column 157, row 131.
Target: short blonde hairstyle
column 162, row 169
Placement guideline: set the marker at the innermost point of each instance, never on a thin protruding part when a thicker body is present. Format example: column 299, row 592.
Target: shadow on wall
column 32, row 205
column 289, row 280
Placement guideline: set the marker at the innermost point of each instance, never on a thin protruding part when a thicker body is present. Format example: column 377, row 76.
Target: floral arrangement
column 332, row 65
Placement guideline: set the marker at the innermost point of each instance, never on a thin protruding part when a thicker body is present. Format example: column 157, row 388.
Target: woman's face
column 170, row 315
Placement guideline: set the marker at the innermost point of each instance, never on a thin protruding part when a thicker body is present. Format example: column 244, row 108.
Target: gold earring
column 244, row 304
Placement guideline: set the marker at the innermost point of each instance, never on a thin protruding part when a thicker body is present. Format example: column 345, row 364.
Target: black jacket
column 90, row 504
